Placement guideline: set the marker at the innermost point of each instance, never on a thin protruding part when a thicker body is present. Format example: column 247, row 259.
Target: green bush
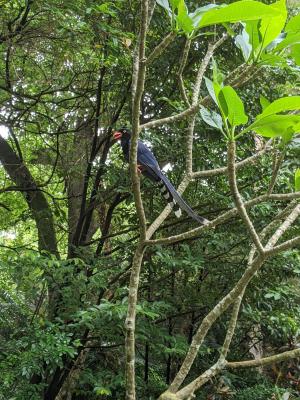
column 260, row 392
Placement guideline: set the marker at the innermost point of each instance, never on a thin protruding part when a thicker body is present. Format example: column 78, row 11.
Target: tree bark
column 35, row 198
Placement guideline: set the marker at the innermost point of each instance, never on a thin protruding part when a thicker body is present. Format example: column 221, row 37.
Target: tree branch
column 237, row 197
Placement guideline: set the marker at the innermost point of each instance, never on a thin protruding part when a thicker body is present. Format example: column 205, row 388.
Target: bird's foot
column 139, row 169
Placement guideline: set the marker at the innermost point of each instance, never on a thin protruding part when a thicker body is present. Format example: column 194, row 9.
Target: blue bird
column 149, row 167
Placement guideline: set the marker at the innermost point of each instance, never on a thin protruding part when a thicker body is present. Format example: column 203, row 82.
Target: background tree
column 202, row 88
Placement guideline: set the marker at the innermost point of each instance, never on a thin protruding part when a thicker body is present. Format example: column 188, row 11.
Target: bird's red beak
column 117, row 135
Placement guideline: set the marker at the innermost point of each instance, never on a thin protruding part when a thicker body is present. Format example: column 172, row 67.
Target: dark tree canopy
column 104, row 293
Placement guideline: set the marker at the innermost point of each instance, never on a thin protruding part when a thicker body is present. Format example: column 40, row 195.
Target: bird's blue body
column 149, row 167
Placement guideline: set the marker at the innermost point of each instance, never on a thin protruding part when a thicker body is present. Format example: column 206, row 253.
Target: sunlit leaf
column 245, row 10
column 295, row 53
column 281, row 105
column 185, row 22
column 271, row 126
column 292, row 38
column 293, row 25
column 197, row 15
column 271, row 27
column 232, row 106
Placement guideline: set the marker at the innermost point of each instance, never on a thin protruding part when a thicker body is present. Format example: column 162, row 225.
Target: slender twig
column 238, row 199
column 161, row 47
column 223, row 170
column 183, row 61
column 276, row 166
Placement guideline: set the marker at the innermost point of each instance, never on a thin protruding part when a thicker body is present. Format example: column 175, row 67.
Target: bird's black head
column 122, row 133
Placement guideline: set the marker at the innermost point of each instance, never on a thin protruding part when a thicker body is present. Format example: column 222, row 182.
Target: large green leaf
column 252, row 28
column 276, row 125
column 295, row 53
column 281, row 105
column 245, row 10
column 271, row 27
column 232, row 106
column 297, row 180
column 293, row 25
column 292, row 38
column 199, row 12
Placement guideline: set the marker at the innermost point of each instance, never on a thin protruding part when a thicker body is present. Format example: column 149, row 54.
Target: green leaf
column 297, row 180
column 293, row 25
column 281, row 105
column 295, row 53
column 211, row 118
column 242, row 42
column 232, row 106
column 245, row 10
column 291, row 39
column 211, row 89
column 273, row 60
column 276, row 42
column 165, row 5
column 223, row 104
column 185, row 22
column 264, row 102
column 174, row 3
column 218, row 77
column 271, row 126
column 271, row 27
column 199, row 12
column 252, row 28
column 102, row 391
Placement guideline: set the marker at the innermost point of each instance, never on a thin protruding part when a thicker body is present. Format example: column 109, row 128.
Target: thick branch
column 36, row 200
column 139, row 73
column 223, row 218
column 287, row 355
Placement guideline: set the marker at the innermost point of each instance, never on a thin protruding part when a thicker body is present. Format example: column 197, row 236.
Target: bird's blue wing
column 146, row 157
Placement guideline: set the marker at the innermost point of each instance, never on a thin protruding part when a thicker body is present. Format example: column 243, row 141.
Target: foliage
column 65, row 85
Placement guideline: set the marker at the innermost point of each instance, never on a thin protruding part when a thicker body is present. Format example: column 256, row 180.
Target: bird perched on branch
column 148, row 166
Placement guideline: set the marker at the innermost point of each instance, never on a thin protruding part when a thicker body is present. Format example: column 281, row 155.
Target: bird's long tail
column 174, row 198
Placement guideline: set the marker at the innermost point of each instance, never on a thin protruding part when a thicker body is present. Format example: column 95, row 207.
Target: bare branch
column 223, row 218
column 287, row 355
column 223, row 170
column 284, row 226
column 138, row 77
column 289, row 244
column 276, row 166
column 161, row 47
column 237, row 197
column 183, row 61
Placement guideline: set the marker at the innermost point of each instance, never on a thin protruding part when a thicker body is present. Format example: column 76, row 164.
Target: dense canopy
column 104, row 293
